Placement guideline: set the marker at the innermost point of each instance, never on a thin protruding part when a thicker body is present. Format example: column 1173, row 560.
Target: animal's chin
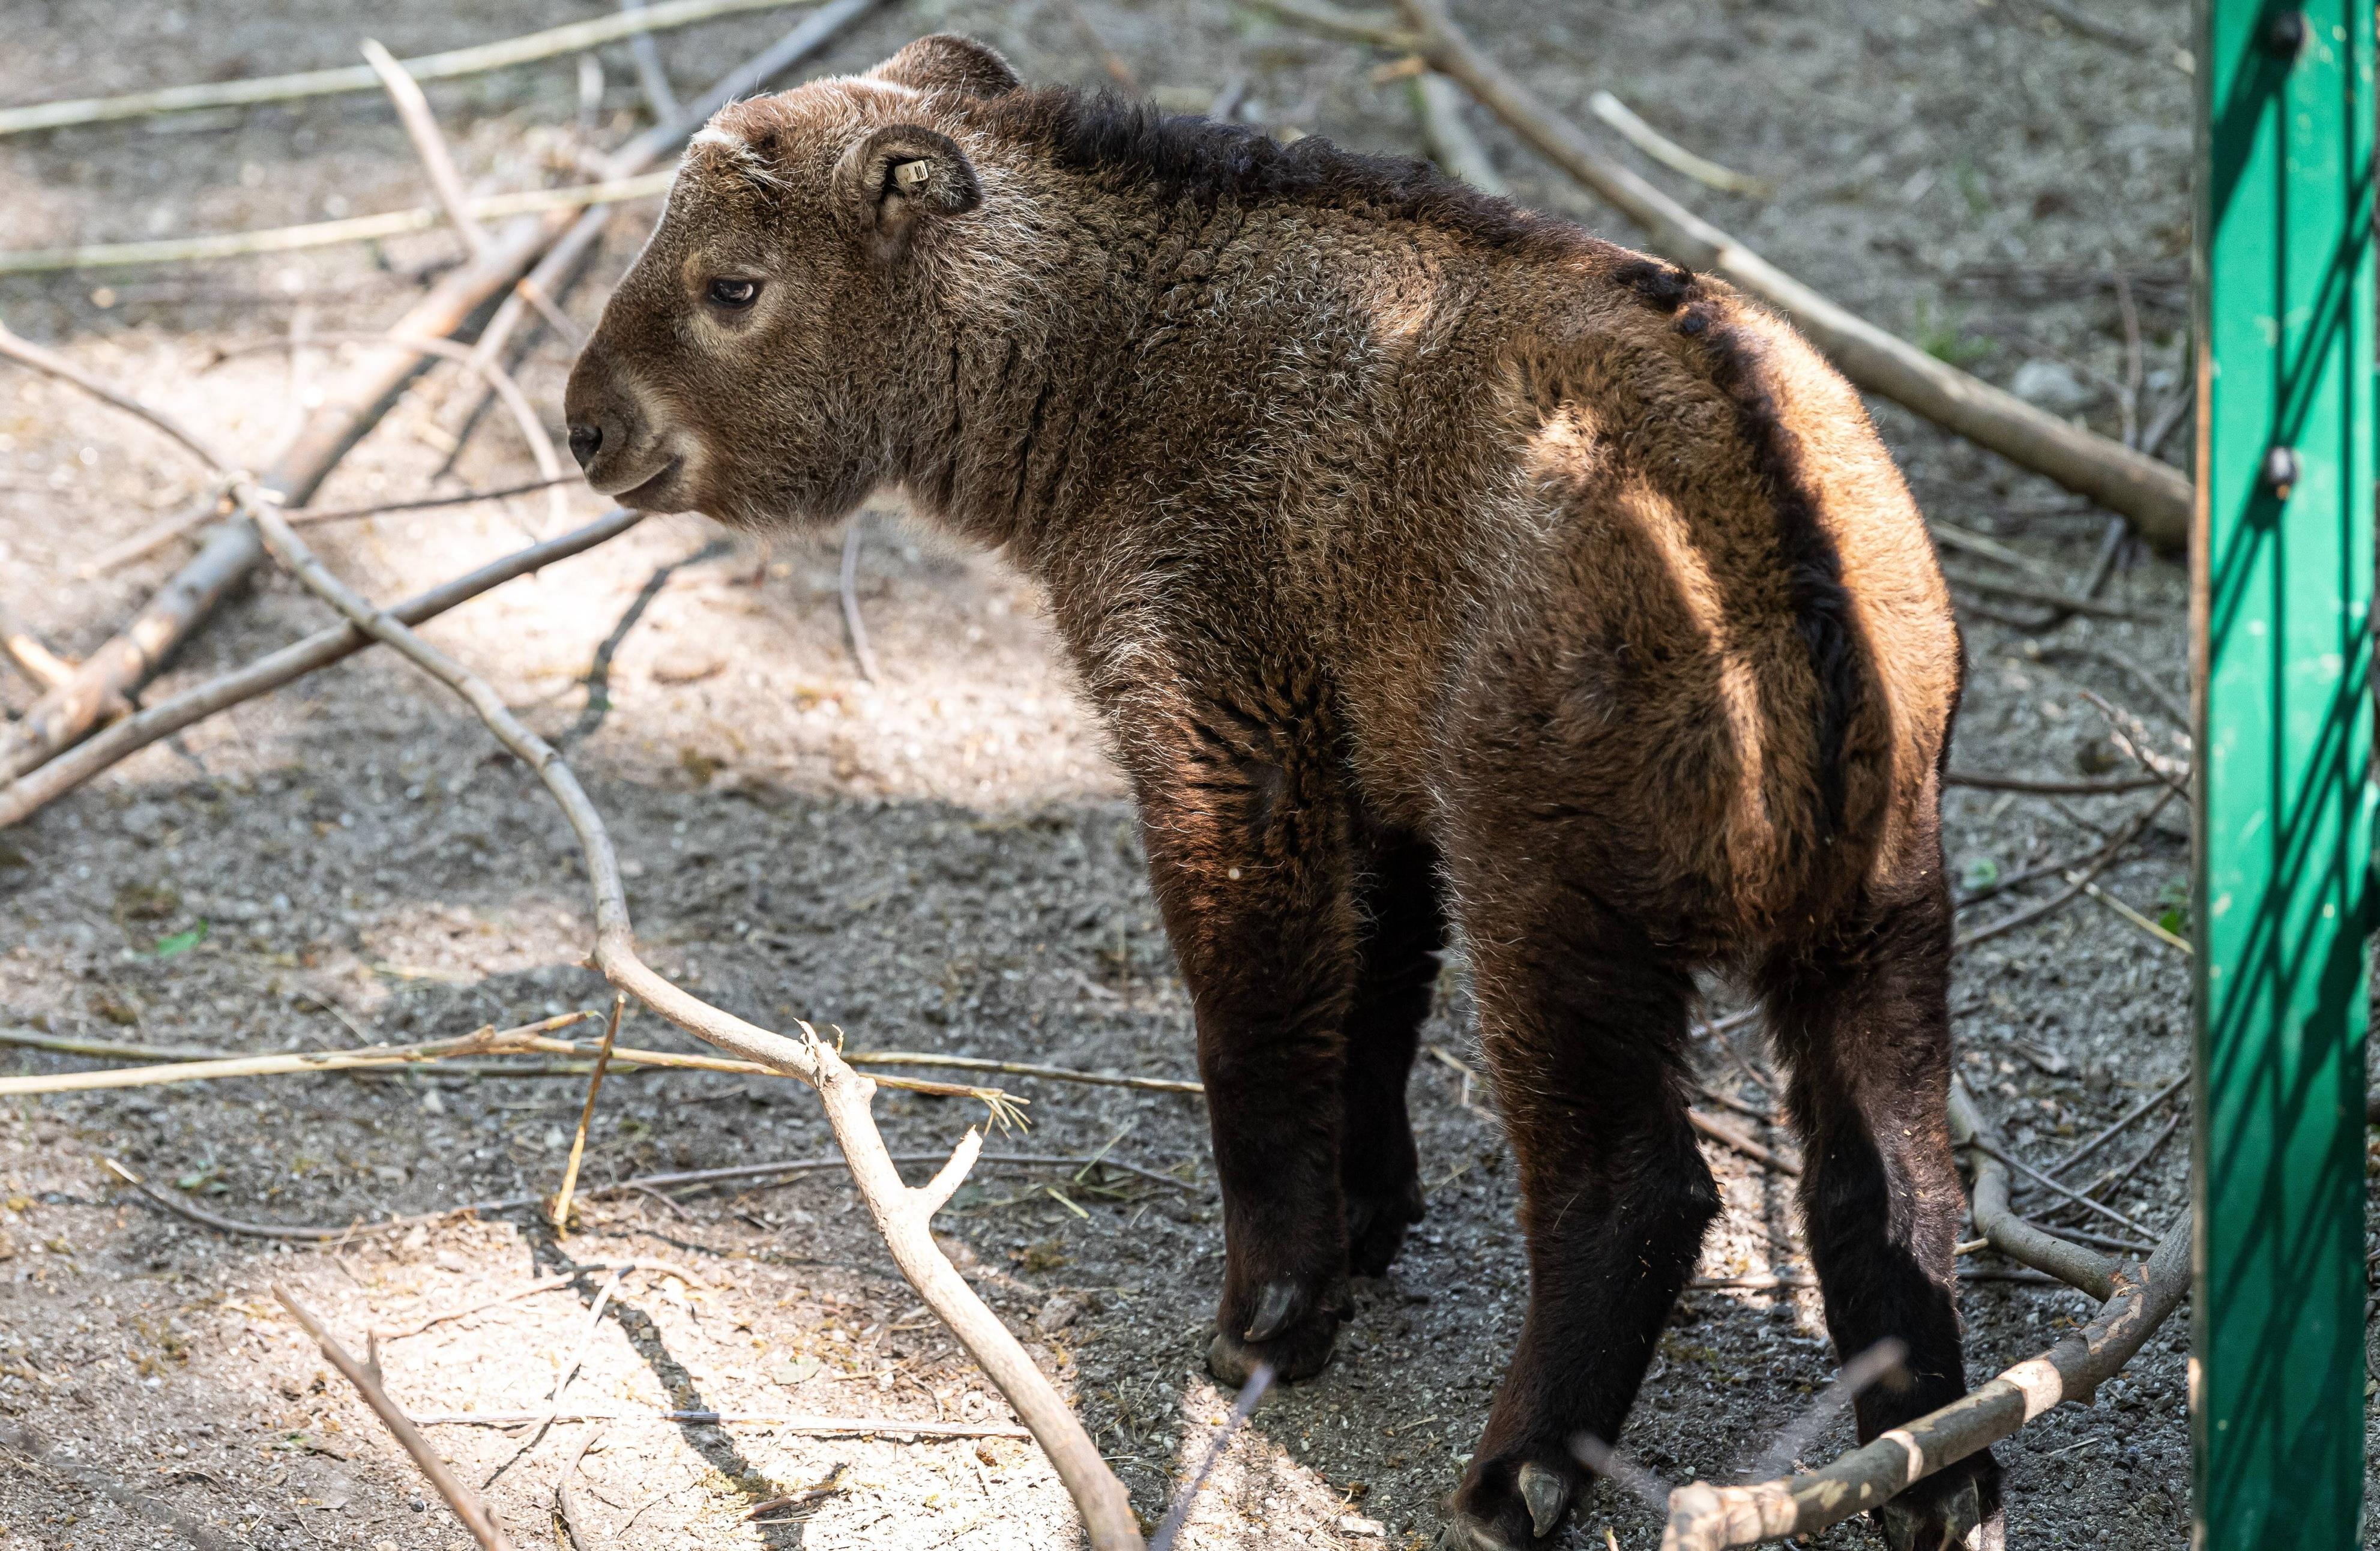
column 659, row 493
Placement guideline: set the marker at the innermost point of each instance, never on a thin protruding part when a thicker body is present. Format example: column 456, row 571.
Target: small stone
column 1059, row 1313
column 2054, row 386
column 7, row 1246
column 688, row 663
column 1366, row 1529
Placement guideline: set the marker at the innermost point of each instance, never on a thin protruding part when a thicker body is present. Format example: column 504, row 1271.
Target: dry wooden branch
column 42, row 668
column 1671, row 154
column 327, row 234
column 1720, row 1131
column 466, row 1504
column 23, row 798
column 1995, row 1219
column 421, row 128
column 587, row 1116
column 1451, row 144
column 2156, row 497
column 902, row 1214
column 476, row 60
column 1707, row 1518
column 652, row 79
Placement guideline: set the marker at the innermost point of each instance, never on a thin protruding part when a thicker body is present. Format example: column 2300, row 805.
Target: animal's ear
column 946, row 62
column 902, row 178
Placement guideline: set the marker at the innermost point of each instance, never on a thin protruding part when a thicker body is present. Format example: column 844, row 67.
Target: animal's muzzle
column 610, row 435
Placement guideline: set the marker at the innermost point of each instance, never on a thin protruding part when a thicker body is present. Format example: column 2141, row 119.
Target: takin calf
column 1436, row 567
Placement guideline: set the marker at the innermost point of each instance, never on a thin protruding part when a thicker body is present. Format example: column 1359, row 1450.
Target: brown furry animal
column 1435, row 566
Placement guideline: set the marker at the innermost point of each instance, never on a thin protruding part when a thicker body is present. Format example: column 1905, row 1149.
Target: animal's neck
column 1042, row 387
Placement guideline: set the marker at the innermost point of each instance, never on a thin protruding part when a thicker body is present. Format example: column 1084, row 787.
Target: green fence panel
column 2282, row 573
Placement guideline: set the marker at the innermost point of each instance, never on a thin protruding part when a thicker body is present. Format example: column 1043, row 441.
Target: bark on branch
column 1707, row 1518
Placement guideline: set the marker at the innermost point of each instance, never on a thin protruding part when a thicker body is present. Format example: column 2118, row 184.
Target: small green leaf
column 1979, row 872
column 180, row 942
column 193, row 1180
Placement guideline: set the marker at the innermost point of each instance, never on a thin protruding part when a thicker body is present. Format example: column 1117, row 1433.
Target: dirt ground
column 941, row 861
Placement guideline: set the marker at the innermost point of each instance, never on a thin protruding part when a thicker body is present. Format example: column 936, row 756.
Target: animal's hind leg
column 1583, row 1021
column 1863, row 1023
column 1379, row 1174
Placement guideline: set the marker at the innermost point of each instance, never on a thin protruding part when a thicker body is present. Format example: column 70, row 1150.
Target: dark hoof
column 1376, row 1229
column 1957, row 1510
column 1499, row 1508
column 1288, row 1328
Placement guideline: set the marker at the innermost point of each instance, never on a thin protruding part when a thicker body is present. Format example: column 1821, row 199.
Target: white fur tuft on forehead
column 739, row 154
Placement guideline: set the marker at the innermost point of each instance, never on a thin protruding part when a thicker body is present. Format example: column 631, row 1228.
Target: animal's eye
column 733, row 294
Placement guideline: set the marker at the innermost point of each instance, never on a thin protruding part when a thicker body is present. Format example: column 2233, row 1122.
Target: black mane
column 1190, row 158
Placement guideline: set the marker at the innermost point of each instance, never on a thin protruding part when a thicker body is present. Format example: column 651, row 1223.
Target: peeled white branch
column 903, row 1215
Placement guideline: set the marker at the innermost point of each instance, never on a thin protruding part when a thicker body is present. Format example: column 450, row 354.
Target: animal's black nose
column 585, row 442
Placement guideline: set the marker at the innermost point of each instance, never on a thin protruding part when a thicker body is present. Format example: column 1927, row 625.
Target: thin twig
column 475, row 60
column 25, row 353
column 1671, row 154
column 1250, row 1394
column 466, row 1504
column 2126, row 1122
column 2064, row 602
column 650, row 1184
column 478, row 1042
column 437, row 162
column 311, row 516
column 586, row 1116
column 210, row 506
column 327, row 234
column 566, row 1500
column 1022, row 1069
column 858, row 627
column 784, row 1421
column 1982, row 781
column 2021, row 1240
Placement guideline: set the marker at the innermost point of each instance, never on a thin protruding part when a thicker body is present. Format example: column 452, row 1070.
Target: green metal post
column 2282, row 578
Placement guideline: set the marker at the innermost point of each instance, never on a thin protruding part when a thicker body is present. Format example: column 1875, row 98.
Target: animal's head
column 761, row 359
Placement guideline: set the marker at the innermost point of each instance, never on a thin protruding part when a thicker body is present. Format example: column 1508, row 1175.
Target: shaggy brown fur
column 1436, row 567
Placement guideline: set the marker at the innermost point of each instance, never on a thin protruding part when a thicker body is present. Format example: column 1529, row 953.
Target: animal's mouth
column 646, row 492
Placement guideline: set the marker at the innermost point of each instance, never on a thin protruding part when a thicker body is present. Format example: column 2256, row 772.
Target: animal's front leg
column 1250, row 864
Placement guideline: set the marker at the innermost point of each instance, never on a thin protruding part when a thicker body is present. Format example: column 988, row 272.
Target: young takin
column 1440, row 572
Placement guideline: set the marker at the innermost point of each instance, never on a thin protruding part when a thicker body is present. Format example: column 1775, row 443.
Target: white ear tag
column 908, row 175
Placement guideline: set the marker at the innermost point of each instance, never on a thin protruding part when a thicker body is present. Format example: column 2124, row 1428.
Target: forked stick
column 466, row 1503
column 1995, row 1219
column 903, row 1215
